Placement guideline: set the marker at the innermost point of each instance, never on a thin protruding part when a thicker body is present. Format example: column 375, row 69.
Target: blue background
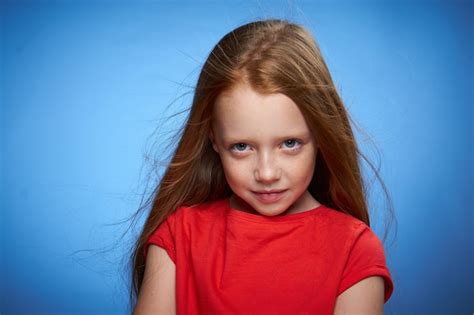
column 84, row 85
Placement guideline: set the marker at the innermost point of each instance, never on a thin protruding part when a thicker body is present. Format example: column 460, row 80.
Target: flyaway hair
column 271, row 56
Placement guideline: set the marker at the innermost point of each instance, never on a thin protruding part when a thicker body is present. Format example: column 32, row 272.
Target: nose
column 267, row 170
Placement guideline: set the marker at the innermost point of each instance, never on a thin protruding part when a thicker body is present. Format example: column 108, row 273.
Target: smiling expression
column 264, row 143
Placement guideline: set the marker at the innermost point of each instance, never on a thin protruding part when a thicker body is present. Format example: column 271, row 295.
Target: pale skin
column 264, row 143
column 158, row 292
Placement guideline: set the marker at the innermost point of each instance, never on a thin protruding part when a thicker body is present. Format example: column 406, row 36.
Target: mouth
column 269, row 196
column 270, row 191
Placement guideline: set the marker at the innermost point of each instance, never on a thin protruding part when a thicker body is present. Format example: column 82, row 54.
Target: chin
column 272, row 209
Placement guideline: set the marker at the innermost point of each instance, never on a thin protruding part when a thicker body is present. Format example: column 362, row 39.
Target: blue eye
column 292, row 143
column 237, row 145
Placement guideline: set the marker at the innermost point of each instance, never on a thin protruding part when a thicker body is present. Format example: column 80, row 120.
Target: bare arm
column 158, row 291
column 364, row 297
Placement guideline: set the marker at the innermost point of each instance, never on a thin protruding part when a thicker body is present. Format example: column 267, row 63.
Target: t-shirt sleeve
column 366, row 259
column 164, row 236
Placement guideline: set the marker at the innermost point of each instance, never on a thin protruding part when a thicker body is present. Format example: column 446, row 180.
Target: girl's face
column 264, row 144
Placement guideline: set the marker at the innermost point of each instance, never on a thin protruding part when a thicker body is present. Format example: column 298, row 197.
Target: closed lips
column 270, row 191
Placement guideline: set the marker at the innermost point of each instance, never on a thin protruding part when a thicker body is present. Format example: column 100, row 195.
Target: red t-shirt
column 234, row 262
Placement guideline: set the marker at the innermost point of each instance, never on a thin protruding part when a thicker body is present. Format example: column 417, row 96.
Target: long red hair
column 272, row 56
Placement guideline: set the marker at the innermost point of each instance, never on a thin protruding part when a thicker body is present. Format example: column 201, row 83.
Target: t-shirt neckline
column 235, row 213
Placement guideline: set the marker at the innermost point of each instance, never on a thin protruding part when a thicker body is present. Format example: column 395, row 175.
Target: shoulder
column 351, row 235
column 360, row 251
column 342, row 224
column 337, row 216
column 208, row 210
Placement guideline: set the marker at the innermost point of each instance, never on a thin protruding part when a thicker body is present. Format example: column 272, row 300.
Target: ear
column 213, row 140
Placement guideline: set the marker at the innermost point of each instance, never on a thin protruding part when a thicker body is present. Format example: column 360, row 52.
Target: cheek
column 234, row 172
column 303, row 167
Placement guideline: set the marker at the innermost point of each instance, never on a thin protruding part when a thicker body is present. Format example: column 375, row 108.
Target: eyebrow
column 293, row 135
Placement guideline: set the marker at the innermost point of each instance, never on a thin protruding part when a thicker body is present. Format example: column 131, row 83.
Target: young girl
column 262, row 209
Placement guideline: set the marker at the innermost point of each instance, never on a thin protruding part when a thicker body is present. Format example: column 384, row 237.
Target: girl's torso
column 234, row 262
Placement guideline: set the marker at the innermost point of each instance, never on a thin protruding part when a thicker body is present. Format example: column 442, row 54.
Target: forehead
column 242, row 112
